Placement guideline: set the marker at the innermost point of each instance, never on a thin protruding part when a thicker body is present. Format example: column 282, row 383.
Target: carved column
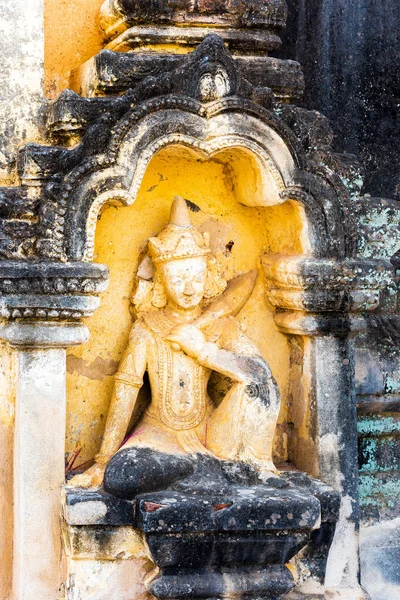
column 329, row 365
column 40, row 326
column 39, row 465
column 321, row 301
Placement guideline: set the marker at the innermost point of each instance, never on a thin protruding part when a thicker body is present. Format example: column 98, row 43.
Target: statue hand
column 189, row 338
column 93, row 477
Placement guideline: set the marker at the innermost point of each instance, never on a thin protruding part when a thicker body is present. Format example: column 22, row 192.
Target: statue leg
column 136, row 470
column 243, row 426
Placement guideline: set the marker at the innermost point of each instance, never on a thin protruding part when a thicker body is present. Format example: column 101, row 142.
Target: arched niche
column 248, row 141
column 239, row 204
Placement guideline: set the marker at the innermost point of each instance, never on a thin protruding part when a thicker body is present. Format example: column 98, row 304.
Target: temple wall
column 21, row 80
column 348, row 55
column 349, row 52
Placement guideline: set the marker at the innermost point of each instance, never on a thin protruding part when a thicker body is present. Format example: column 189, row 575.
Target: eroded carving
column 117, row 15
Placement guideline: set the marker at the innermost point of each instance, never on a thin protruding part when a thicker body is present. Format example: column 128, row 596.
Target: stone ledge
column 254, row 40
column 114, row 72
column 95, row 507
column 117, row 15
column 44, row 335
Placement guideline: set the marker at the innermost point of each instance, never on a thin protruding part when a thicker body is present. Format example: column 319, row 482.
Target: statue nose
column 188, row 289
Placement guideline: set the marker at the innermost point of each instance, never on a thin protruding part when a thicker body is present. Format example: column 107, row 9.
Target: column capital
column 36, row 334
column 323, row 296
column 319, row 285
column 313, row 324
column 50, row 291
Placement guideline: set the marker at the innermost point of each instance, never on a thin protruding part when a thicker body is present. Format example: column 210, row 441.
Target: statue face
column 184, row 281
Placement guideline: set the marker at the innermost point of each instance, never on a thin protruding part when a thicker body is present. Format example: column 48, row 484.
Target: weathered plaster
column 38, row 474
column 380, row 559
column 7, row 410
column 98, row 580
column 379, row 223
column 21, row 79
column 342, row 567
column 71, row 36
column 379, row 443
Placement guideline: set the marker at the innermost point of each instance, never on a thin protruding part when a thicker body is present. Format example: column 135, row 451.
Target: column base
column 356, row 593
column 240, row 582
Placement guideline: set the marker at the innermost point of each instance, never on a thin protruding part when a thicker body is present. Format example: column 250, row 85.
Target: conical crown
column 179, row 239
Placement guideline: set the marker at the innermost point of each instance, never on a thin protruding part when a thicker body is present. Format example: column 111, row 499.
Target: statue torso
column 178, row 383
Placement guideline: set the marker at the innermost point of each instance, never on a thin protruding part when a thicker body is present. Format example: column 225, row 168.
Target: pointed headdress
column 179, row 239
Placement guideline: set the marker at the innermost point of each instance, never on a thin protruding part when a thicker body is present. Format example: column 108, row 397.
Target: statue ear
column 159, row 299
column 146, row 269
column 206, row 238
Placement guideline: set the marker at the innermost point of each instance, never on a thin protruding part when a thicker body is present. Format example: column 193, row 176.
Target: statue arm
column 128, row 382
column 235, row 356
column 242, row 426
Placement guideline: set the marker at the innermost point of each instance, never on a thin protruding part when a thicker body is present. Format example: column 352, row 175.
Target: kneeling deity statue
column 185, row 329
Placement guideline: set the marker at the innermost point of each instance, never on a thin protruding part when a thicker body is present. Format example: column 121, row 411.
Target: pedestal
column 204, row 543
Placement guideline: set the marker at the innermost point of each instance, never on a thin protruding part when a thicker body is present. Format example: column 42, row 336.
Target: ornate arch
column 115, row 174
column 204, row 104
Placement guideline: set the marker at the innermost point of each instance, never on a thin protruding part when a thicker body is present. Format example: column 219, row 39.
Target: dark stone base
column 234, row 542
column 244, row 582
column 220, row 532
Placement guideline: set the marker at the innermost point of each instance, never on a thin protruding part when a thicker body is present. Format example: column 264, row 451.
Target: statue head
column 179, row 254
column 184, row 281
column 182, row 261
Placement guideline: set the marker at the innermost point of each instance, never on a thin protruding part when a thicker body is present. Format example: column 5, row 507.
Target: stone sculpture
column 180, row 344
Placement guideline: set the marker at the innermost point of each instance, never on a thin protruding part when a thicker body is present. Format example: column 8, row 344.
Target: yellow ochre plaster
column 239, row 235
column 71, row 36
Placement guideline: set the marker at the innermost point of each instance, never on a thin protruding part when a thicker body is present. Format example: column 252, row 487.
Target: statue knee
column 262, row 385
column 133, row 471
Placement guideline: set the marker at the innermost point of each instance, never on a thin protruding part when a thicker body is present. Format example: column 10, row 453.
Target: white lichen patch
column 89, row 513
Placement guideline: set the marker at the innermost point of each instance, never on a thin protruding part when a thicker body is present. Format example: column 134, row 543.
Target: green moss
column 378, row 425
column 376, row 491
